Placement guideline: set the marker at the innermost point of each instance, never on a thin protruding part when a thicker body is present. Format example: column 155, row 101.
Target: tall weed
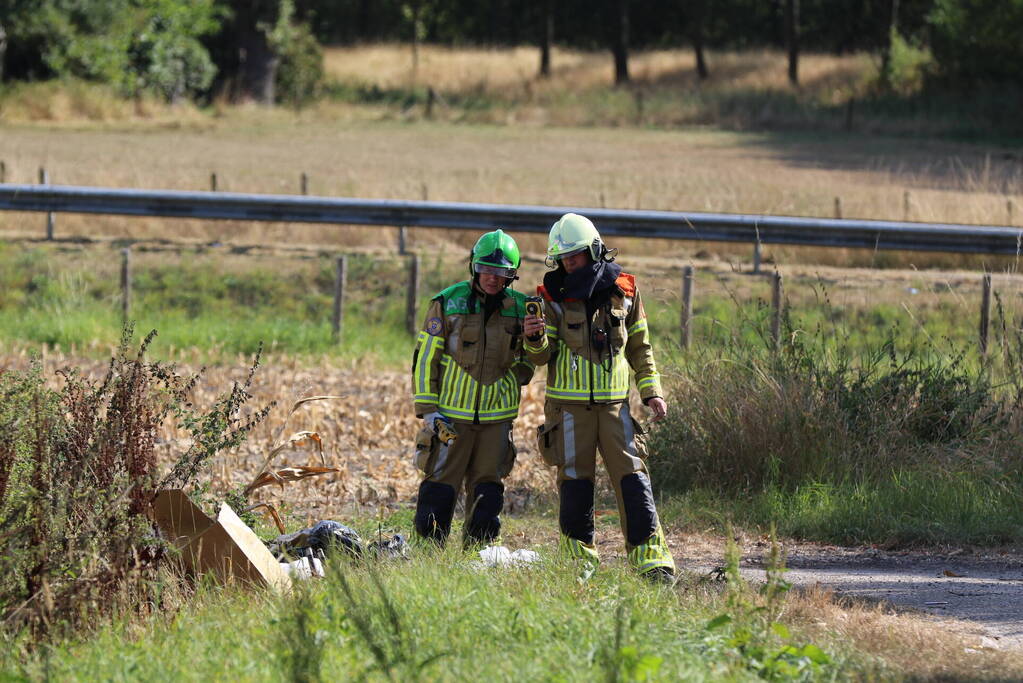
column 747, row 418
column 77, row 474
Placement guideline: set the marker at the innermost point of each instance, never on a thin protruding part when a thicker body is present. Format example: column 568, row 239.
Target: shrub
column 747, row 418
column 77, row 474
column 300, row 74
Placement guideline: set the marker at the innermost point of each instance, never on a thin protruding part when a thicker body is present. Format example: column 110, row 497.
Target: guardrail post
column 412, row 300
column 838, row 207
column 304, row 184
column 402, row 241
column 3, row 172
column 756, row 257
column 776, row 294
column 985, row 312
column 687, row 306
column 44, row 179
column 339, row 296
column 213, row 181
column 125, row 284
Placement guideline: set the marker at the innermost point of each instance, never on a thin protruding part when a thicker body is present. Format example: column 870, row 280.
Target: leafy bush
column 78, row 471
column 144, row 46
column 300, row 74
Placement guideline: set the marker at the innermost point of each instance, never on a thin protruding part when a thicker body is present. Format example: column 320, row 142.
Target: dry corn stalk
column 295, row 440
column 273, row 513
column 287, row 474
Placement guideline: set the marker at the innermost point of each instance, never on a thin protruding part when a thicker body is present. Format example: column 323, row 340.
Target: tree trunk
column 3, row 51
column 546, row 38
column 697, row 37
column 792, row 38
column 621, row 44
column 416, row 18
column 886, row 52
column 257, row 66
column 363, row 22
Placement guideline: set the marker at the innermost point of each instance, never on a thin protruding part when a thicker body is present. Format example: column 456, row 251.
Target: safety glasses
column 484, row 269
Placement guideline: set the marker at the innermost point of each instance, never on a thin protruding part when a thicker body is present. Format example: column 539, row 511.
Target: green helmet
column 571, row 234
column 496, row 253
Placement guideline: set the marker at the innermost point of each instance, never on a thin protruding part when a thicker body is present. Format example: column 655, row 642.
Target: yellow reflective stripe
column 498, row 401
column 647, row 381
column 536, row 349
column 564, row 383
column 429, row 346
column 638, row 326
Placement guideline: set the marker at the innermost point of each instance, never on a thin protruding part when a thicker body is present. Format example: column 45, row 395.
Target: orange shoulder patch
column 627, row 283
column 542, row 291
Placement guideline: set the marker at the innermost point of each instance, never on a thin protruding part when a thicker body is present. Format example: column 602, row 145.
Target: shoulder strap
column 626, row 283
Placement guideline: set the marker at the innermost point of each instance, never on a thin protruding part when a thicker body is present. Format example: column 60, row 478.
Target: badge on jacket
column 434, row 327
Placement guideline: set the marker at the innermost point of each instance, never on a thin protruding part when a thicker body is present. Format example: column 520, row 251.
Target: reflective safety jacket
column 589, row 357
column 467, row 368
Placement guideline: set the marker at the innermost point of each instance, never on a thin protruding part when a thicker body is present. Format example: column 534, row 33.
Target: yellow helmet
column 571, row 234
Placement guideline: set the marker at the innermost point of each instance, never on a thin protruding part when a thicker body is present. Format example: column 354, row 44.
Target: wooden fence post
column 44, row 179
column 431, row 99
column 304, row 184
column 776, row 294
column 339, row 296
column 985, row 312
column 125, row 284
column 838, row 207
column 412, row 302
column 687, row 306
column 3, row 171
column 213, row 181
column 756, row 257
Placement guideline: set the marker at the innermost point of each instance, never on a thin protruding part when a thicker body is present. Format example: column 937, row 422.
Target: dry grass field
column 503, row 154
column 690, row 170
column 514, row 70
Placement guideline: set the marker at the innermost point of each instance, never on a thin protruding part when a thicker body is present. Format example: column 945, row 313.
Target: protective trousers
column 481, row 457
column 570, row 439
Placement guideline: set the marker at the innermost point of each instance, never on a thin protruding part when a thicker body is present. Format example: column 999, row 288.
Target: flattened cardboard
column 226, row 547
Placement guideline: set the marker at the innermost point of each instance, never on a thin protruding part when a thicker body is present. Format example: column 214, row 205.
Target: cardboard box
column 226, row 547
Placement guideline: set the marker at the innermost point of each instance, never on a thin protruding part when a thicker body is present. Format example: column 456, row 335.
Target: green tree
column 977, row 42
column 136, row 45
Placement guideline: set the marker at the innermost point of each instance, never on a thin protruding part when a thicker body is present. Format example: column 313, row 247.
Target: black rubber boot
column 640, row 511
column 434, row 510
column 485, row 519
column 576, row 515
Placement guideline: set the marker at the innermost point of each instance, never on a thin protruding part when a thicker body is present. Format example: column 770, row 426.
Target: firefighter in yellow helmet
column 467, row 373
column 593, row 337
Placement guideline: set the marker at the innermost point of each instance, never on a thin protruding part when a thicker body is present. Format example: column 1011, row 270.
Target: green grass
column 908, row 508
column 436, row 617
column 226, row 305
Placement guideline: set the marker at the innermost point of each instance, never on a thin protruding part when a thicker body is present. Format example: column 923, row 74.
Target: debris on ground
column 225, row 547
column 501, row 556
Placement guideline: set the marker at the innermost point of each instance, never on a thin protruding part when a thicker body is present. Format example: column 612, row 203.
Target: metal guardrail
column 719, row 227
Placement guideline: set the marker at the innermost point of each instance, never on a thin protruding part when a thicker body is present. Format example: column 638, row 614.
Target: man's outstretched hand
column 658, row 407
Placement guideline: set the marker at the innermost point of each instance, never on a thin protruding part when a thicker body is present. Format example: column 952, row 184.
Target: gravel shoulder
column 973, row 591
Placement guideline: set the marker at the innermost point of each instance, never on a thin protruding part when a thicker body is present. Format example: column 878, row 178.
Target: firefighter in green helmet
column 593, row 337
column 467, row 372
